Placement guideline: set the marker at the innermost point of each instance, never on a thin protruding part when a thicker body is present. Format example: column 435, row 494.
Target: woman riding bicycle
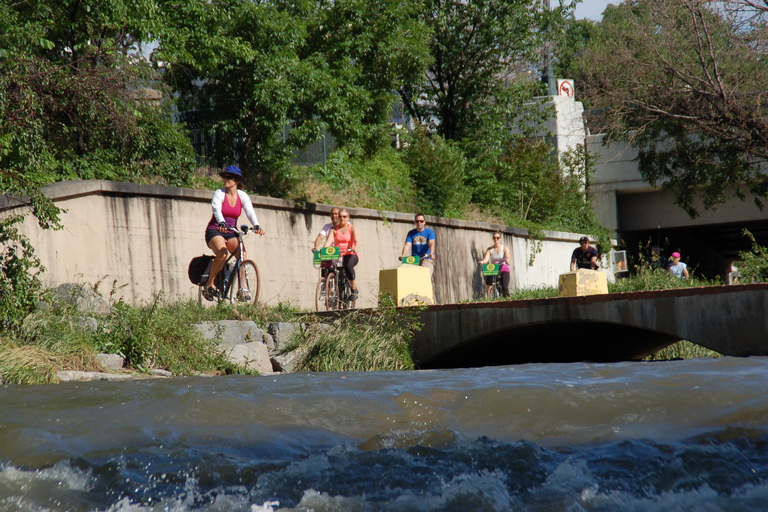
column 346, row 238
column 497, row 254
column 227, row 205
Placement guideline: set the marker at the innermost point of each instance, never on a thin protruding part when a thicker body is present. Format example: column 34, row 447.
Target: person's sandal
column 210, row 293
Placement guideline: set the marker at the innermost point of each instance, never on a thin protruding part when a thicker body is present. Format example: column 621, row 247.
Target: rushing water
column 683, row 435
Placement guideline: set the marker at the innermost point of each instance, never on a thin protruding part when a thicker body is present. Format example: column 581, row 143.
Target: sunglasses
column 345, row 216
column 420, row 221
column 229, row 176
column 497, row 238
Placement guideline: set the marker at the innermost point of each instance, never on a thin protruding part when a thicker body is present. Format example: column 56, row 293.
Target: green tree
column 684, row 82
column 481, row 65
column 437, row 167
column 271, row 76
column 72, row 102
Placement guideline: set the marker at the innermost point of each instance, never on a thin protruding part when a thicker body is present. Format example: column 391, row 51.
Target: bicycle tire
column 347, row 304
column 320, row 304
column 249, row 283
column 332, row 299
column 494, row 292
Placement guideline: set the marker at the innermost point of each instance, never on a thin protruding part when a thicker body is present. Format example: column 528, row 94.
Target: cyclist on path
column 497, row 254
column 421, row 242
column 346, row 238
column 227, row 205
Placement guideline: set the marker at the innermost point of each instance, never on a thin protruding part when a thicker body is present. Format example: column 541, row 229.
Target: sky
column 593, row 9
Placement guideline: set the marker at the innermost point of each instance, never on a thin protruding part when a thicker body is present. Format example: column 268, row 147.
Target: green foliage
column 480, row 51
column 645, row 275
column 753, row 264
column 361, row 342
column 20, row 287
column 684, row 82
column 271, row 76
column 380, row 181
column 437, row 168
column 683, row 349
column 72, row 100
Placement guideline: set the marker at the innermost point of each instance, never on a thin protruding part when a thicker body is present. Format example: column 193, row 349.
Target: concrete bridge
column 732, row 320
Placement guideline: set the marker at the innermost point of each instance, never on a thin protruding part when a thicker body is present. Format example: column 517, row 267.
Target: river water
column 679, row 435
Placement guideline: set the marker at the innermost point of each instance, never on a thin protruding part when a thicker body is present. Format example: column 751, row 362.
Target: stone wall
column 135, row 241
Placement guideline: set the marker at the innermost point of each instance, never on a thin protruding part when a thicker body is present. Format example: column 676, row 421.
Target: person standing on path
column 677, row 267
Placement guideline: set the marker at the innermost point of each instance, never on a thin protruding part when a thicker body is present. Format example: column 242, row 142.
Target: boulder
column 254, row 356
column 289, row 361
column 71, row 376
column 85, row 299
column 282, row 333
column 231, row 332
column 112, row 362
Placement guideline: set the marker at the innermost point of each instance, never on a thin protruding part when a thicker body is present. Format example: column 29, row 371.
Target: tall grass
column 158, row 334
column 683, row 349
column 360, row 342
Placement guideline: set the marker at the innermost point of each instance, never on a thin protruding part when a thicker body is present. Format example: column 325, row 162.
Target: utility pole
column 548, row 75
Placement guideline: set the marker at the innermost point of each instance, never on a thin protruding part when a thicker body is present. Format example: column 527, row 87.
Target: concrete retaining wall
column 138, row 240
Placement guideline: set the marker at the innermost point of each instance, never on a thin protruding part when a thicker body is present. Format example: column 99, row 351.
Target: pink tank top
column 230, row 213
column 343, row 240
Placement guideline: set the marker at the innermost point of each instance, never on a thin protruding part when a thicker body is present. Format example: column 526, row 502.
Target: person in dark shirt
column 657, row 259
column 584, row 256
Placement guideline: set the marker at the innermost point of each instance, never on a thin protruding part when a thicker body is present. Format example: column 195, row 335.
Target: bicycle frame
column 226, row 272
column 341, row 285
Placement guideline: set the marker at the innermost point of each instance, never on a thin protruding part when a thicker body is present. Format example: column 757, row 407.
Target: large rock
column 289, row 361
column 112, row 362
column 83, row 298
column 254, row 356
column 282, row 332
column 231, row 332
column 72, row 375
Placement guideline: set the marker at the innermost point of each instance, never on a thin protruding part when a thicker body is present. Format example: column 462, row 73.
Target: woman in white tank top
column 500, row 255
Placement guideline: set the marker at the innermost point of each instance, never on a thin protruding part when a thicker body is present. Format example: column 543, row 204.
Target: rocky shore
column 241, row 341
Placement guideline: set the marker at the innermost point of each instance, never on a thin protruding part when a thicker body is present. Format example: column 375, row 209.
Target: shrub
column 20, row 287
column 361, row 342
column 437, row 169
column 754, row 263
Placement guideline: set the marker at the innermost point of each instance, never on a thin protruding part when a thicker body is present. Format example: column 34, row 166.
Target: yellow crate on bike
column 582, row 282
column 407, row 284
column 491, row 269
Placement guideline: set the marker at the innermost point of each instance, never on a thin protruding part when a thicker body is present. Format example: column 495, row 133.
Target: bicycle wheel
column 346, row 292
column 247, row 288
column 332, row 292
column 320, row 304
column 495, row 289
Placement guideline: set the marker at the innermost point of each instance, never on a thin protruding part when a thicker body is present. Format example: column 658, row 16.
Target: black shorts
column 211, row 233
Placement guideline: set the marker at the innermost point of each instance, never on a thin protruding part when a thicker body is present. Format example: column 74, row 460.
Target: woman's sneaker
column 353, row 295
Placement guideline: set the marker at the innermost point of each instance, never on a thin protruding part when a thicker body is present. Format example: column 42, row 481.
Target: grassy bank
column 57, row 336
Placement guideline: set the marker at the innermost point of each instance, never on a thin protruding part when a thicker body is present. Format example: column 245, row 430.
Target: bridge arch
column 731, row 320
column 554, row 342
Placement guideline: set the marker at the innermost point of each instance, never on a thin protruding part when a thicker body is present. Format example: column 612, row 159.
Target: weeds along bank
column 133, row 242
column 63, row 335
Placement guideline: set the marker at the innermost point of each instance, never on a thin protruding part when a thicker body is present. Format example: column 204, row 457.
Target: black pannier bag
column 199, row 268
